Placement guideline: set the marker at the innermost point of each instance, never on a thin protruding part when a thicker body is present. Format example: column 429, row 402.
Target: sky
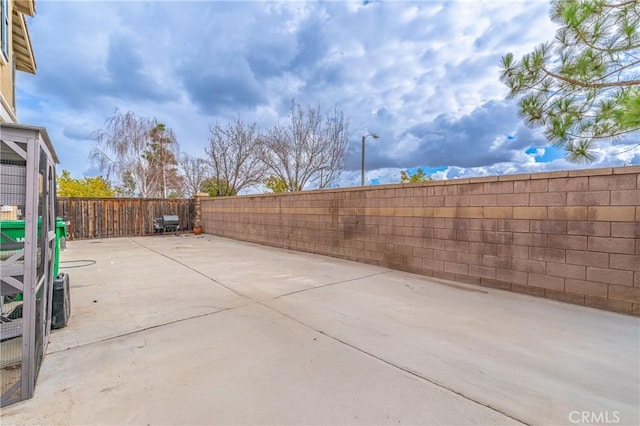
column 423, row 75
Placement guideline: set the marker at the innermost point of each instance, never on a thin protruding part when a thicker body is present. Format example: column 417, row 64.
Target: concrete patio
column 204, row 330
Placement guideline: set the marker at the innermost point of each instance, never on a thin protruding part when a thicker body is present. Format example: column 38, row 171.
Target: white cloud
column 423, row 75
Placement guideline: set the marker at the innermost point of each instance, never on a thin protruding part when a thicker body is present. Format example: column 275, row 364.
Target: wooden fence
column 119, row 217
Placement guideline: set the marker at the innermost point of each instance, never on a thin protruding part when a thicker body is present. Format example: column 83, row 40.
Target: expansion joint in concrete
column 396, row 366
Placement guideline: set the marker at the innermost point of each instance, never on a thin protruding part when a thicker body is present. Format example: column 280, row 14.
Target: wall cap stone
column 464, row 181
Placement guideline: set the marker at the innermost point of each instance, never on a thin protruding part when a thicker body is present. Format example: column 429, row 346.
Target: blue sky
column 423, row 75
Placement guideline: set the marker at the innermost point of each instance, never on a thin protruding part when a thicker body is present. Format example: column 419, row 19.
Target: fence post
column 141, row 219
column 198, row 198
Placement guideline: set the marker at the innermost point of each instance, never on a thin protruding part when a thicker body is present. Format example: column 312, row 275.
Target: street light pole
column 373, row 135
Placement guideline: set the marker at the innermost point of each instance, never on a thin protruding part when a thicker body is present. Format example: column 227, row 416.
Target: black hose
column 87, row 262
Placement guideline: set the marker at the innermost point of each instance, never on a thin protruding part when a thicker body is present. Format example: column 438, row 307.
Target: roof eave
column 23, row 51
column 26, row 7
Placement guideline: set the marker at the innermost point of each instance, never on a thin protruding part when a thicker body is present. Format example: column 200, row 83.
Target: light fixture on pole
column 373, row 135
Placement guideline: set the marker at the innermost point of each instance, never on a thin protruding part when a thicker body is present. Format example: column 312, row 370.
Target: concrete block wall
column 572, row 236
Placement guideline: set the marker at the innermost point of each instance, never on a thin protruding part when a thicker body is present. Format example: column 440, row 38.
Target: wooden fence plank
column 119, row 217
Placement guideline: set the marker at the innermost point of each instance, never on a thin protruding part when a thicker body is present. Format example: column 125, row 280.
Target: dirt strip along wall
column 572, row 236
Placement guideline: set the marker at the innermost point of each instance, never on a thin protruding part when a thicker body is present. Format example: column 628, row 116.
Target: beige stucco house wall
column 16, row 53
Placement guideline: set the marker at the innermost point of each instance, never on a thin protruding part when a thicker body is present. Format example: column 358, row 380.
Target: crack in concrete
column 333, row 283
column 237, row 293
column 396, row 366
column 334, row 338
column 194, row 270
column 151, row 327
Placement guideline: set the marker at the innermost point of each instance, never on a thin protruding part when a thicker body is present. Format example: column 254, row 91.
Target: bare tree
column 310, row 150
column 135, row 150
column 194, row 171
column 235, row 155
